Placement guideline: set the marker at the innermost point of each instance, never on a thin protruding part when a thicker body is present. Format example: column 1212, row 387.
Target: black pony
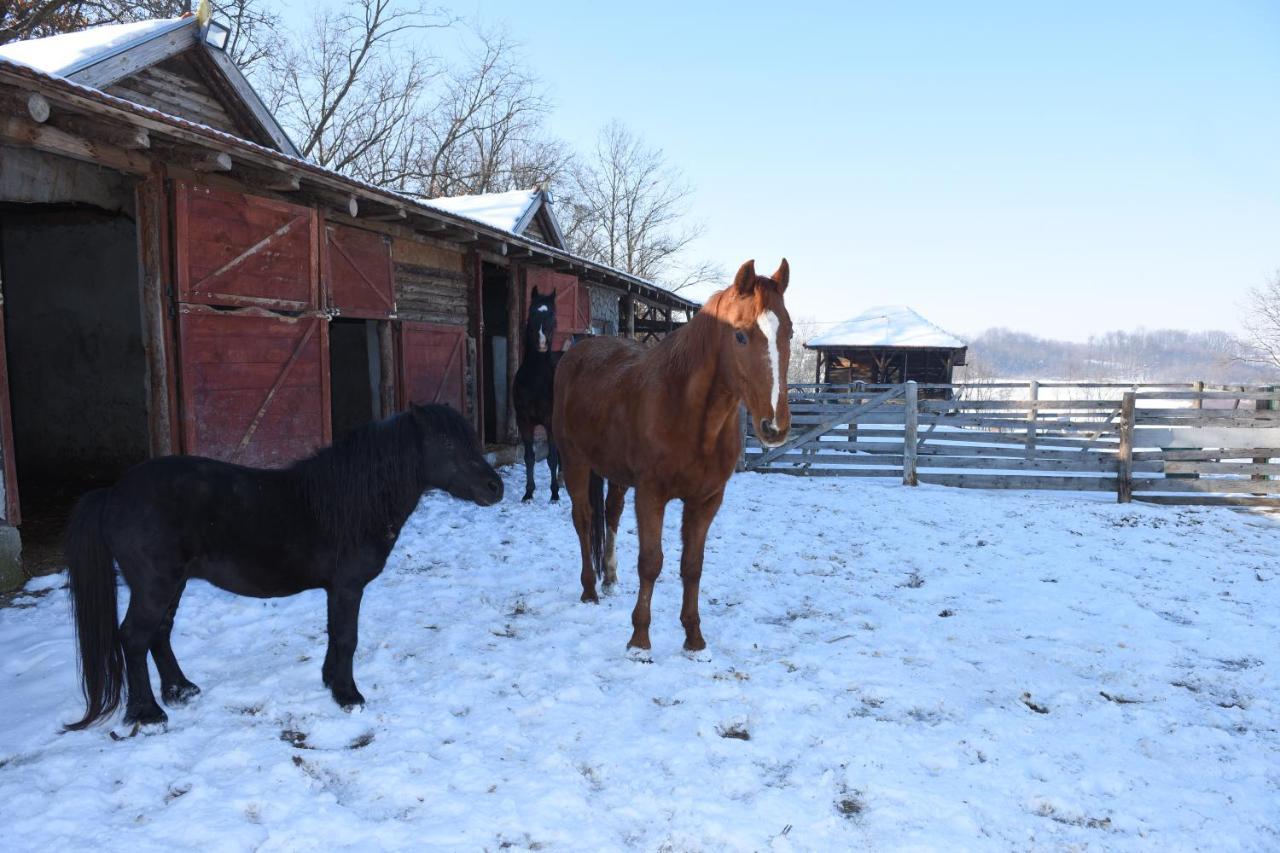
column 534, row 388
column 327, row 522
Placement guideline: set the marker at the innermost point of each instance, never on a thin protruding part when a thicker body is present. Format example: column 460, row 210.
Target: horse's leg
column 577, row 479
column 175, row 689
column 612, row 515
column 344, row 624
column 149, row 600
column 553, row 465
column 649, row 512
column 693, row 535
column 526, row 436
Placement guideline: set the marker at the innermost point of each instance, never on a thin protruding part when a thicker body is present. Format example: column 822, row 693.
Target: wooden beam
column 211, row 161
column 38, row 107
column 25, row 133
column 123, row 136
column 104, row 73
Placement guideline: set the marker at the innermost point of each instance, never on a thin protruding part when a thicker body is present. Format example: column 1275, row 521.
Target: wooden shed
column 175, row 279
column 886, row 345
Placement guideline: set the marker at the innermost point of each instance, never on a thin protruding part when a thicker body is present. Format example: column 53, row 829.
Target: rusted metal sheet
column 573, row 302
column 241, row 250
column 358, row 272
column 255, row 385
column 432, row 364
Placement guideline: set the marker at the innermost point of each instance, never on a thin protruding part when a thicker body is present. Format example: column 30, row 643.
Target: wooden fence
column 1186, row 443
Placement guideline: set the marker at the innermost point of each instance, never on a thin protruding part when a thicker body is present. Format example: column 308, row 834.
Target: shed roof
column 67, row 53
column 512, row 211
column 887, row 326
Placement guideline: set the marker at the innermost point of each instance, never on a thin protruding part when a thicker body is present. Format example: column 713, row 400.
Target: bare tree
column 25, row 19
column 628, row 208
column 1262, row 324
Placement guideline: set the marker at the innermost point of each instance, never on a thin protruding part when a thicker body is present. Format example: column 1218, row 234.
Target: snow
column 904, row 668
column 69, row 52
column 886, row 325
column 497, row 210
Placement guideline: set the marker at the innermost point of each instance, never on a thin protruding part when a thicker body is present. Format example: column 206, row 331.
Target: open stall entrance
column 496, row 290
column 355, row 374
column 76, row 364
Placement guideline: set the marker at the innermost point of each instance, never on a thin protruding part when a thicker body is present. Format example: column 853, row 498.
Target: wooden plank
column 1098, row 466
column 841, row 459
column 25, row 133
column 1214, row 484
column 909, row 437
column 1016, row 405
column 1208, row 500
column 151, row 204
column 1209, row 416
column 112, row 68
column 1030, row 443
column 1028, row 482
column 847, row 414
column 1124, row 464
column 358, row 274
column 1014, row 452
column 1209, row 455
column 806, row 471
column 1251, row 468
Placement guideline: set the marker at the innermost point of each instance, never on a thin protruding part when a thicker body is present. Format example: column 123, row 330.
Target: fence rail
column 1179, row 443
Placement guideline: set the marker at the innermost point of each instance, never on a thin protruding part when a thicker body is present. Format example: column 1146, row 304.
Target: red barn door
column 433, row 364
column 358, row 272
column 573, row 303
column 255, row 386
column 240, row 250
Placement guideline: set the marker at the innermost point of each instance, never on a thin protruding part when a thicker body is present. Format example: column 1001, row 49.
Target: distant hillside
column 1160, row 355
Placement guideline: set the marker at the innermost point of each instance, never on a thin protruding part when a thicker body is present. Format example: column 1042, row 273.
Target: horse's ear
column 534, row 295
column 745, row 281
column 782, row 276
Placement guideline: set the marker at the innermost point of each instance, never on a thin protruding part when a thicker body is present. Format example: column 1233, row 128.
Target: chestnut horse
column 664, row 421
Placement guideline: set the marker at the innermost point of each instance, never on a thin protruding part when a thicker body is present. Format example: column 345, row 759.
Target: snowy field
column 889, row 668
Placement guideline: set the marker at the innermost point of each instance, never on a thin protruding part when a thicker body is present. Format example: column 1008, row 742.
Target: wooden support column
column 630, row 302
column 1199, row 401
column 1033, row 413
column 1262, row 406
column 515, row 341
column 1124, row 463
column 157, row 329
column 909, row 432
column 387, row 362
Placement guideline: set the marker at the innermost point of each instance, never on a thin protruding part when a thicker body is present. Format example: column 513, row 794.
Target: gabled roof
column 516, row 211
column 102, row 56
column 887, row 326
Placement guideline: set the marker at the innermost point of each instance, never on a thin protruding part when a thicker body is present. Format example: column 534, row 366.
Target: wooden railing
column 1171, row 443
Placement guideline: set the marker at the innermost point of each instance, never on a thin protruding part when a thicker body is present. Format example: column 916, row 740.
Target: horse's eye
column 741, row 336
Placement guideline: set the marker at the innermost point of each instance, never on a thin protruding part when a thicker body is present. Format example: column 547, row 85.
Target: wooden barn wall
column 431, row 284
column 175, row 87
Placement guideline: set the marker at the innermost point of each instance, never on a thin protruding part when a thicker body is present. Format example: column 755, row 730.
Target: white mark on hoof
column 639, row 655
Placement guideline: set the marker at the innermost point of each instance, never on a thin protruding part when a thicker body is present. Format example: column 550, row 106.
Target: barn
column 886, row 345
column 177, row 279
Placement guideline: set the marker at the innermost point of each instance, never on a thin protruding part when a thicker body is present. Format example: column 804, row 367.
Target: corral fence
column 1188, row 443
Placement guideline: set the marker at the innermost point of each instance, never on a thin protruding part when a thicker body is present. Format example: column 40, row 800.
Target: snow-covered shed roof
column 887, row 326
column 515, row 211
column 136, row 61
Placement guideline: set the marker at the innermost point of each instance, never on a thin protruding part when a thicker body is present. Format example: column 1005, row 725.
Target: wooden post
column 1199, row 401
column 1262, row 406
column 1124, row 464
column 1032, row 415
column 910, row 420
column 515, row 343
column 631, row 316
column 856, row 392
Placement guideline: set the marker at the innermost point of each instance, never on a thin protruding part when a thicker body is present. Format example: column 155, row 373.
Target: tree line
column 360, row 91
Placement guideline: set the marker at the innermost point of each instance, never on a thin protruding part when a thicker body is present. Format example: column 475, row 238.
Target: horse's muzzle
column 770, row 435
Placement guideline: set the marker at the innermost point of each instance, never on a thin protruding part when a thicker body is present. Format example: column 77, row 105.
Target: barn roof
column 108, row 55
column 513, row 211
column 887, row 326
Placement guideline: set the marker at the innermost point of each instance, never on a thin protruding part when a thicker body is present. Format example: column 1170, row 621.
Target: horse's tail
column 93, row 592
column 597, row 524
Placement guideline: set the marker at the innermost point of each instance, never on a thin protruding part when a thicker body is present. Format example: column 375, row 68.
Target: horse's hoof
column 590, row 597
column 179, row 694
column 147, row 715
column 555, row 499
column 528, row 496
column 639, row 655
column 349, row 699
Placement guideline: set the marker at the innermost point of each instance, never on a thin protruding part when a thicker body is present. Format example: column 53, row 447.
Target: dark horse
column 665, row 421
column 327, row 522
column 534, row 386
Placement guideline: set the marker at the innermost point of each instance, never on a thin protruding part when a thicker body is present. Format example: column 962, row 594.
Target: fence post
column 1032, row 414
column 1262, row 406
column 1124, row 469
column 856, row 390
column 1199, row 401
column 910, row 412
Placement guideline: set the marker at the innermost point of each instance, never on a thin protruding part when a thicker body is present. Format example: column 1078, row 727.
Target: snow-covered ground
column 889, row 668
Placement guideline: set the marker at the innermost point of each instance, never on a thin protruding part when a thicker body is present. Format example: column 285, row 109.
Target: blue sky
column 1061, row 168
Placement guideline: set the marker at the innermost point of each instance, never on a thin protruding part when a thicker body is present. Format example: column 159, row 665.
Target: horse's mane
column 369, row 481
column 691, row 346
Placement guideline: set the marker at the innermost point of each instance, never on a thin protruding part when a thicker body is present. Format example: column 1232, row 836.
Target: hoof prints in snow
column 879, row 683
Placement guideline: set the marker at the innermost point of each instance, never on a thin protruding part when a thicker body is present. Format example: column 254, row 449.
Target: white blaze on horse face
column 542, row 341
column 768, row 323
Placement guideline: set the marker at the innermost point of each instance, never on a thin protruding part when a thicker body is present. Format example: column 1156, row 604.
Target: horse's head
column 541, row 327
column 757, row 330
column 452, row 458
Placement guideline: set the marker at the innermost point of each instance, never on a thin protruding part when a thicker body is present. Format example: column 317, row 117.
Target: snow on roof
column 67, row 53
column 886, row 326
column 497, row 210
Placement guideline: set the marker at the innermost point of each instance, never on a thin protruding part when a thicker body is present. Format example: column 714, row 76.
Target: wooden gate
column 234, row 249
column 358, row 273
column 433, row 364
column 573, row 303
column 255, row 385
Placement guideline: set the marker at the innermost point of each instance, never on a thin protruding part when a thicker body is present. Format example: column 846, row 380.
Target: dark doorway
column 77, row 369
column 355, row 374
column 496, row 291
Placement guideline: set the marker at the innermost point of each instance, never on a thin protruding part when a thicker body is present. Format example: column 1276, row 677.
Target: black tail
column 93, row 592
column 597, row 524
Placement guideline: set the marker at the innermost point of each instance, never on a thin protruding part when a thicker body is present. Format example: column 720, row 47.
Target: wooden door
column 240, row 250
column 358, row 272
column 255, row 385
column 573, row 303
column 433, row 364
